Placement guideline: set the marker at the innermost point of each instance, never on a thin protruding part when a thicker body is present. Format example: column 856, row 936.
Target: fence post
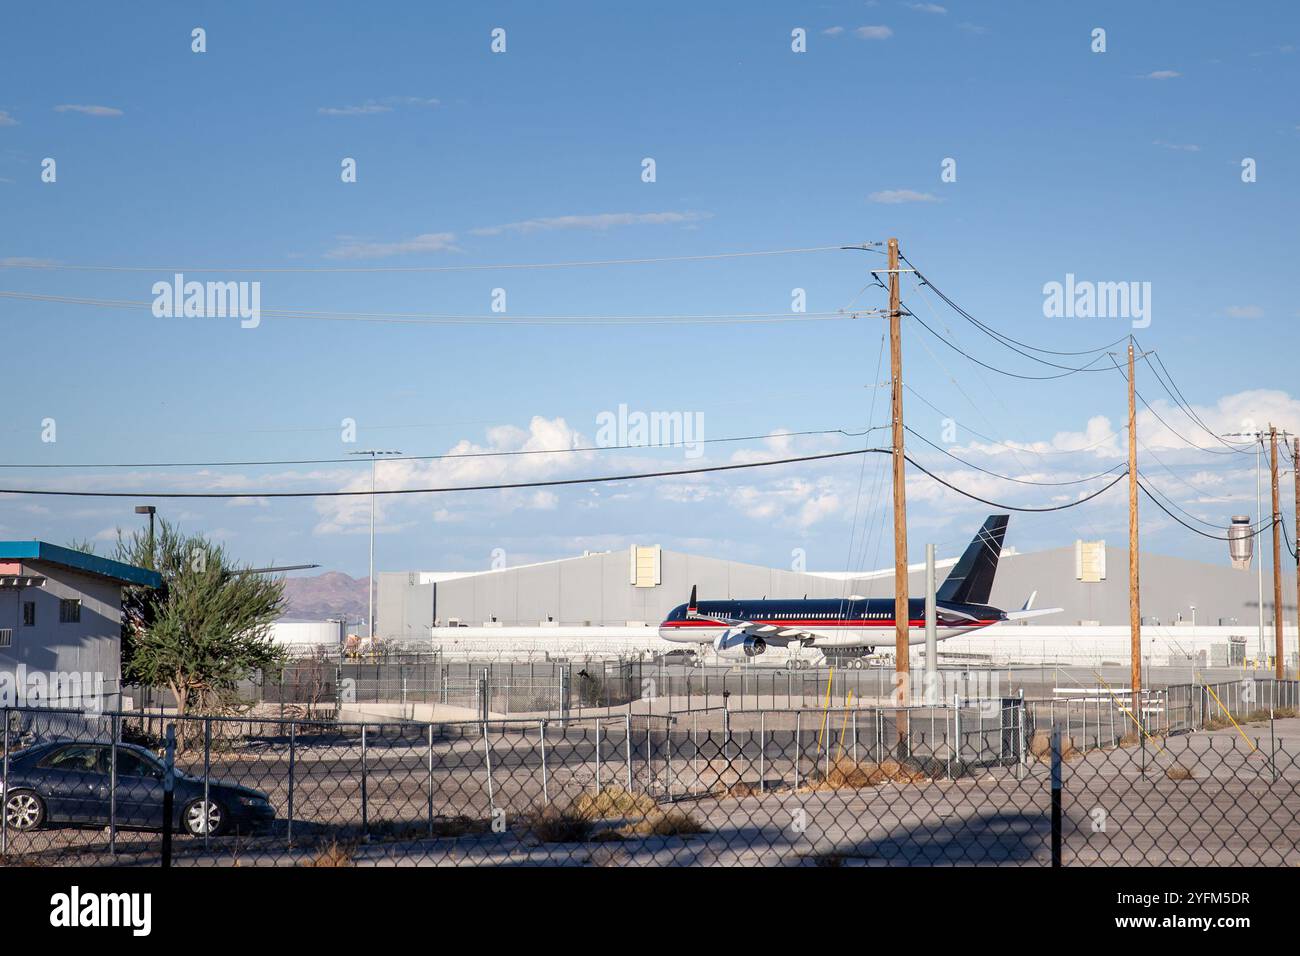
column 429, row 778
column 627, row 735
column 4, row 789
column 541, row 738
column 365, row 784
column 598, row 756
column 293, row 755
column 1056, row 795
column 169, row 785
column 798, row 745
column 487, row 757
column 1272, row 733
column 695, row 735
column 1021, row 738
column 956, row 727
column 116, row 732
column 762, row 749
column 207, row 776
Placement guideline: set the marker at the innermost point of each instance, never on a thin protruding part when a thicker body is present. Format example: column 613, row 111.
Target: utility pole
column 1295, row 480
column 902, row 616
column 374, row 455
column 1279, row 669
column 1134, row 600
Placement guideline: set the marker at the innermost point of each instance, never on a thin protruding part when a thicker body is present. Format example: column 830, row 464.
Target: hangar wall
column 596, row 590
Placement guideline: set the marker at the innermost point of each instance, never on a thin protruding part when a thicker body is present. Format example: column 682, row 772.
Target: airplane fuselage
column 831, row 622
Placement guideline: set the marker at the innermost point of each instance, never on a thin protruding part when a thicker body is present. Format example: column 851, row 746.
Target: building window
column 6, row 637
column 29, row 614
column 70, row 611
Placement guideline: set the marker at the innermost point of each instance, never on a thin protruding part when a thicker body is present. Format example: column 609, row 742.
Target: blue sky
column 1115, row 166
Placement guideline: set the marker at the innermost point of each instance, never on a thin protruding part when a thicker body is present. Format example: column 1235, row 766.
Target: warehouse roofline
column 74, row 560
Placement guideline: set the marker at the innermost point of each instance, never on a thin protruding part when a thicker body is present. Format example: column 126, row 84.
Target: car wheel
column 195, row 823
column 24, row 810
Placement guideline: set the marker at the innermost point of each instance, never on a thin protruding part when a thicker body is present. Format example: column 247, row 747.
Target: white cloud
column 928, row 7
column 1098, row 438
column 1160, row 75
column 1246, row 411
column 6, row 119
column 386, row 105
column 366, row 109
column 1244, row 312
column 88, row 110
column 896, row 196
column 597, row 221
column 363, row 249
column 832, row 31
column 1182, row 147
column 873, row 33
column 474, row 464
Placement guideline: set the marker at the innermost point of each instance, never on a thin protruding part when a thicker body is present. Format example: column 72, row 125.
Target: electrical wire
column 551, row 483
column 995, row 504
column 994, row 333
column 1214, row 537
column 500, row 319
column 1013, row 448
column 1002, row 371
column 64, row 267
column 448, row 457
column 1022, row 481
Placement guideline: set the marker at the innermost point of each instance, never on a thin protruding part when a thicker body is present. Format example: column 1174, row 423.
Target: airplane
column 748, row 628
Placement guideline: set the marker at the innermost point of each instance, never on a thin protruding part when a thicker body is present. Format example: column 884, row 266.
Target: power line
column 1002, row 371
column 451, row 457
column 995, row 504
column 1160, row 418
column 551, row 483
column 1185, row 406
column 65, row 267
column 503, row 319
column 1022, row 481
column 999, row 336
column 1214, row 537
column 1013, row 448
column 436, row 490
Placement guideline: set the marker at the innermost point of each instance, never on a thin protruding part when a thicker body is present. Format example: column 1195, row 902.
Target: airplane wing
column 771, row 633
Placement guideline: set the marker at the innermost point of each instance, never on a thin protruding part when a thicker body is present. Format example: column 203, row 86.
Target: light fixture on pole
column 1257, row 437
column 375, row 455
column 149, row 510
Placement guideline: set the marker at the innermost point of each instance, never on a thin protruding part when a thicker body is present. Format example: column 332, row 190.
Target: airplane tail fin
column 691, row 604
column 971, row 579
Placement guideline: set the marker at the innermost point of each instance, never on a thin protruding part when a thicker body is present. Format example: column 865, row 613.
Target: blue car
column 69, row 782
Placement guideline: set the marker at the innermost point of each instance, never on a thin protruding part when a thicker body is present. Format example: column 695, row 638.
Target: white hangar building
column 611, row 602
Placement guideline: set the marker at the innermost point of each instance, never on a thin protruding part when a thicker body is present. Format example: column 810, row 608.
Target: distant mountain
column 332, row 594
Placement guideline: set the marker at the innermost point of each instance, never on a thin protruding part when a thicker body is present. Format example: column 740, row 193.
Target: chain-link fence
column 832, row 786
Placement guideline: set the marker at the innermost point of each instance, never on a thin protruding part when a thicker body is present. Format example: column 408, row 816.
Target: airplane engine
column 738, row 644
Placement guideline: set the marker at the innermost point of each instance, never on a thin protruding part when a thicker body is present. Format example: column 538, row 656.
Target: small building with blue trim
column 61, row 625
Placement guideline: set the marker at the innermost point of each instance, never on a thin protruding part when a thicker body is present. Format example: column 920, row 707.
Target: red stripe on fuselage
column 819, row 624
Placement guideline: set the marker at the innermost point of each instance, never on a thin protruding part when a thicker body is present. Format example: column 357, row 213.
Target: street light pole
column 374, row 454
column 150, row 511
